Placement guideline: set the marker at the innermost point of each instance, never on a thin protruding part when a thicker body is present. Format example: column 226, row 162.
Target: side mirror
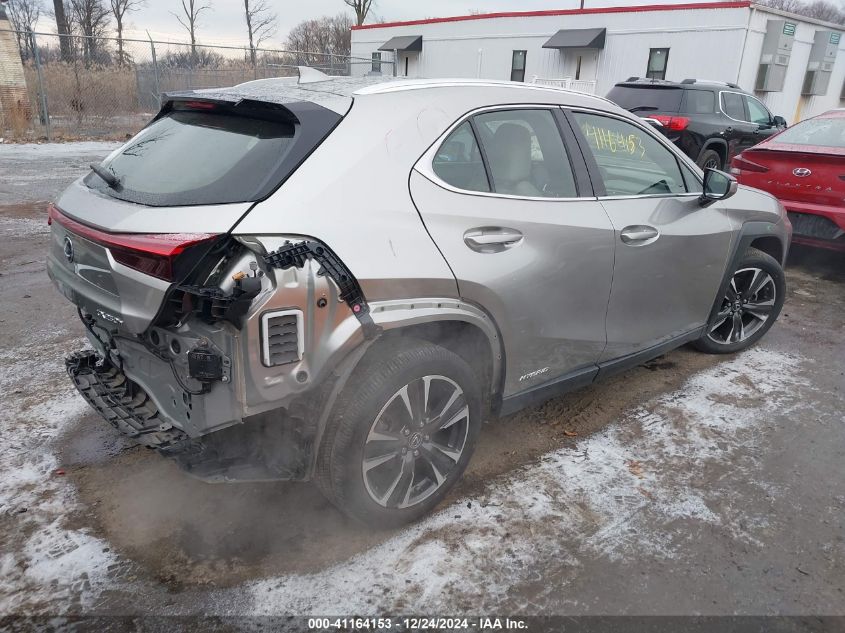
column 717, row 186
column 780, row 122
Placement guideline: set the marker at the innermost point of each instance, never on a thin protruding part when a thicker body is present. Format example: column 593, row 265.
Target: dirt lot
column 691, row 485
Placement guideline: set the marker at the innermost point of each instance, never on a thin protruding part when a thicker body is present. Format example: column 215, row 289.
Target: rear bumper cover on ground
column 267, row 447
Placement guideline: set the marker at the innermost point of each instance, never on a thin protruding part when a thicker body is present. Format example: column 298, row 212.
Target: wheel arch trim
column 713, row 143
column 749, row 232
column 392, row 316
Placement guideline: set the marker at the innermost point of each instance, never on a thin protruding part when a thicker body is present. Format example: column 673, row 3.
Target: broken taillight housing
column 153, row 254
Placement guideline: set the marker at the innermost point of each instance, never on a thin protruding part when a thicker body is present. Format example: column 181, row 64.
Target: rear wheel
column 401, row 435
column 710, row 159
column 750, row 306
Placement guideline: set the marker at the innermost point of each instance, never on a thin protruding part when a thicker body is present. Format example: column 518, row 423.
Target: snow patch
column 54, row 566
column 22, row 227
column 625, row 488
column 37, row 151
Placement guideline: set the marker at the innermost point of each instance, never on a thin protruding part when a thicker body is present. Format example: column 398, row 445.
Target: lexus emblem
column 68, row 249
column 801, row 172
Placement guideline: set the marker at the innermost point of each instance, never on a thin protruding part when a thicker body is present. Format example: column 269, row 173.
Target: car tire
column 750, row 306
column 710, row 159
column 383, row 460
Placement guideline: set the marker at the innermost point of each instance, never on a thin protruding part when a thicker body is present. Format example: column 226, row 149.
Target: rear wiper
column 641, row 108
column 110, row 179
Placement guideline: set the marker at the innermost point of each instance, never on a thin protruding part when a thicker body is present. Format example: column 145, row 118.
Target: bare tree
column 361, row 9
column 324, row 42
column 91, row 17
column 260, row 24
column 818, row 9
column 827, row 11
column 190, row 21
column 63, row 29
column 23, row 14
column 119, row 9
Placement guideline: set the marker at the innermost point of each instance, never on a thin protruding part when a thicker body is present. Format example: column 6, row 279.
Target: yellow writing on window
column 606, row 140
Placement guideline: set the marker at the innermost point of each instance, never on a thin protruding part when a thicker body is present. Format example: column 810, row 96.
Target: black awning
column 404, row 43
column 577, row 38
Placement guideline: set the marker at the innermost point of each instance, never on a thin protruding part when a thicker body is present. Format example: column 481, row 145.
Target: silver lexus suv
column 340, row 279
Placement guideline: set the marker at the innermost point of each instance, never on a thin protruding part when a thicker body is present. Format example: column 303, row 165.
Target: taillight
column 674, row 123
column 150, row 253
column 741, row 163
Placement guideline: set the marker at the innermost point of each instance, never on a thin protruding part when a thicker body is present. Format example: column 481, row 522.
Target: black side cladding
column 295, row 255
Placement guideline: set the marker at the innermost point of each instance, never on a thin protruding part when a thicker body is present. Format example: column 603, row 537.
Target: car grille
column 809, row 225
column 281, row 337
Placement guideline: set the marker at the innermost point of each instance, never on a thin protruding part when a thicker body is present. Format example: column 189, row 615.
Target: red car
column 804, row 167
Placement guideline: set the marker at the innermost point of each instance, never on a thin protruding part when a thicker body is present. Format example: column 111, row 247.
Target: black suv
column 710, row 121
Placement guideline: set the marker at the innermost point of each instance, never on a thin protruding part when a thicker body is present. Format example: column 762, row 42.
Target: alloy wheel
column 415, row 442
column 711, row 164
column 748, row 304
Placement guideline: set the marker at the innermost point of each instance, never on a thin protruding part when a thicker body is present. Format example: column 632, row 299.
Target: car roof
column 686, row 84
column 337, row 93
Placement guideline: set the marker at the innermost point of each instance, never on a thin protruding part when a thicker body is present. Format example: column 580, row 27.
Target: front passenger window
column 757, row 113
column 631, row 161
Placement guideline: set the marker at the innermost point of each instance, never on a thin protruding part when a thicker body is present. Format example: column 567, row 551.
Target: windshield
column 190, row 158
column 824, row 132
column 646, row 99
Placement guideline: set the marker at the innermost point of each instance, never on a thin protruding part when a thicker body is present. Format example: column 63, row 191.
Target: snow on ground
column 613, row 494
column 39, row 151
column 57, row 565
column 614, row 487
column 22, row 227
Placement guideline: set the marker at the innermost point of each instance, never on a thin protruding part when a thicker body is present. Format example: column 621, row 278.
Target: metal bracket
column 295, row 255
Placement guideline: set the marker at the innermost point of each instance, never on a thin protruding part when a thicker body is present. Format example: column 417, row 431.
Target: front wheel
column 401, row 435
column 751, row 304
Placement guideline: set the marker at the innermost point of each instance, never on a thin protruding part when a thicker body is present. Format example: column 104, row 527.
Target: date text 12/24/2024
column 417, row 624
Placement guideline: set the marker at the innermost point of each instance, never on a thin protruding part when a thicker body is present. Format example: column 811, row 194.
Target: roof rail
column 712, row 81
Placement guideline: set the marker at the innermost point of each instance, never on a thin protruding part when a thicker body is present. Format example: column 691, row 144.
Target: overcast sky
column 224, row 23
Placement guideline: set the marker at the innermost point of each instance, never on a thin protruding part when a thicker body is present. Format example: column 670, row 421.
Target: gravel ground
column 692, row 485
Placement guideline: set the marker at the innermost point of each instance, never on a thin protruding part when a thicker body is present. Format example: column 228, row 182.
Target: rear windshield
column 819, row 132
column 190, row 157
column 646, row 98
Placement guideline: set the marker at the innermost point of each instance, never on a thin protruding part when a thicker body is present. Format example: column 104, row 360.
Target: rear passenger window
column 700, row 102
column 525, row 154
column 732, row 105
column 458, row 161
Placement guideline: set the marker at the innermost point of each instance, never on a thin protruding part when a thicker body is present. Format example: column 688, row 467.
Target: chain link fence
column 83, row 87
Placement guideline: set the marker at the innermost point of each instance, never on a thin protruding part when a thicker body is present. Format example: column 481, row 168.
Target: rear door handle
column 492, row 239
column 639, row 235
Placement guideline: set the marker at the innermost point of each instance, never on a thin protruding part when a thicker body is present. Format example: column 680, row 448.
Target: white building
column 795, row 65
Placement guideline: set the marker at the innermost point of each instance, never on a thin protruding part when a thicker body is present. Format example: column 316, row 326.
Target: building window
column 518, row 65
column 657, row 59
column 377, row 62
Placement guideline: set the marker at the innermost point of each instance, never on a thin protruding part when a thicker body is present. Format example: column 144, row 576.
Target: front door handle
column 492, row 239
column 639, row 235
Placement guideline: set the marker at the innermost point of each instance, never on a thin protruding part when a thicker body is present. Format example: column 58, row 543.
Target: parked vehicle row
column 339, row 279
column 804, row 167
column 719, row 125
